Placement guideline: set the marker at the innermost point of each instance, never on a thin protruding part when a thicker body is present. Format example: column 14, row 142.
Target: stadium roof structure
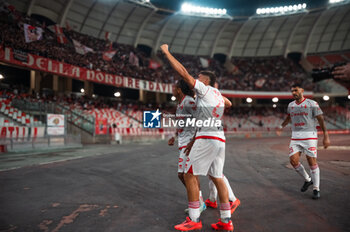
column 322, row 28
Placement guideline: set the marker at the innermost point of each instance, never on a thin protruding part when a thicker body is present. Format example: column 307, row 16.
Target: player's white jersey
column 185, row 109
column 210, row 105
column 303, row 119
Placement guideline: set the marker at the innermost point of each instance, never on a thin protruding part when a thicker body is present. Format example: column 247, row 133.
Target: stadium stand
column 119, row 116
column 248, row 72
column 274, row 73
column 338, row 116
column 13, row 116
column 326, row 60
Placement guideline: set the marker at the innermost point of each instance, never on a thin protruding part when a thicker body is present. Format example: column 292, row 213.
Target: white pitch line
column 336, row 148
column 51, row 162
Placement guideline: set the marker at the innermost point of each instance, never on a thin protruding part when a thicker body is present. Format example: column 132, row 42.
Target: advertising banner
column 55, row 124
column 80, row 73
column 101, row 126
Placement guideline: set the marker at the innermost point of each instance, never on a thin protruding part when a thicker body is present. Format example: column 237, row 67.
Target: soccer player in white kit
column 185, row 109
column 303, row 114
column 207, row 156
column 213, row 192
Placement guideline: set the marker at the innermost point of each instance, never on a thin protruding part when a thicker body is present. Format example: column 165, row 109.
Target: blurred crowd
column 270, row 73
column 248, row 74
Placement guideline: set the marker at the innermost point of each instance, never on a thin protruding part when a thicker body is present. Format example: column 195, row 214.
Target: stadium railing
column 26, row 144
column 84, row 123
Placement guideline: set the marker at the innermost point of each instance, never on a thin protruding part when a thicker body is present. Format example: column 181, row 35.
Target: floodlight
column 325, row 97
column 275, row 99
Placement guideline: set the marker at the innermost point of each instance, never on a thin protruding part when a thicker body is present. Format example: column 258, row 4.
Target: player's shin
column 302, row 172
column 194, row 211
column 315, row 175
column 225, row 212
column 231, row 195
column 213, row 193
column 200, row 197
column 193, row 197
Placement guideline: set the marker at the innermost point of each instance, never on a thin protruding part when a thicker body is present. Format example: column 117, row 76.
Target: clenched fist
column 165, row 48
column 171, row 141
column 326, row 141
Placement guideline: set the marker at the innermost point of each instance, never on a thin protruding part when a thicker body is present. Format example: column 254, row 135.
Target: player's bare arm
column 190, row 144
column 171, row 141
column 179, row 68
column 286, row 121
column 326, row 141
column 228, row 103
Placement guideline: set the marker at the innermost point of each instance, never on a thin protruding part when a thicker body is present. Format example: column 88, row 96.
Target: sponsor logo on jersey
column 299, row 124
column 299, row 114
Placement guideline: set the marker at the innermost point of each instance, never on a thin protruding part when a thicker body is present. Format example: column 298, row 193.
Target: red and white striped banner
column 80, row 73
column 61, row 38
column 17, row 132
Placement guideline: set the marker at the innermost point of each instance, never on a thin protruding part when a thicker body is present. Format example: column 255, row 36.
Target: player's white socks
column 193, row 210
column 231, row 195
column 225, row 212
column 213, row 192
column 200, row 197
column 315, row 175
column 301, row 170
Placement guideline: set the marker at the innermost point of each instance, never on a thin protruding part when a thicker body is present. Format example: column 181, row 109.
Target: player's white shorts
column 308, row 147
column 207, row 157
column 182, row 160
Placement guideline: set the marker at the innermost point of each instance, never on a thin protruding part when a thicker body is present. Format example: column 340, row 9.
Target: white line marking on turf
column 337, row 148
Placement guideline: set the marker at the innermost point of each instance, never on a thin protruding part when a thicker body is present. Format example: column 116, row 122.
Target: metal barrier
column 81, row 121
column 86, row 123
column 40, row 143
column 36, row 108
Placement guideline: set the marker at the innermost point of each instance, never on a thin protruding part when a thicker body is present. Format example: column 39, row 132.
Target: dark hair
column 211, row 76
column 297, row 85
column 181, row 84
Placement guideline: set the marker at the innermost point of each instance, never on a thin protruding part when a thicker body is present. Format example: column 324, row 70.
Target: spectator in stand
column 253, row 74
